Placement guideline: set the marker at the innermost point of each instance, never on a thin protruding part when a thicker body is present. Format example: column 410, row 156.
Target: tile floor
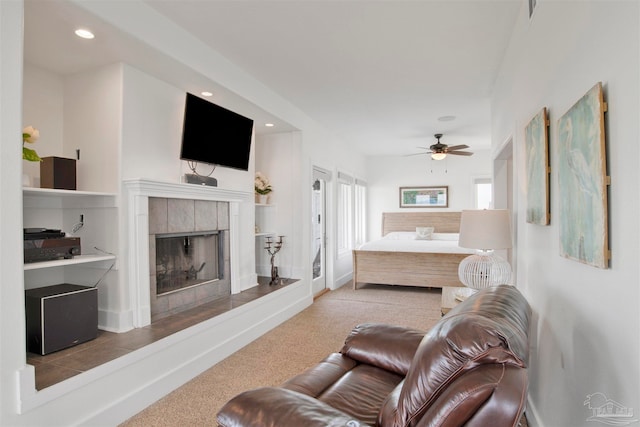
column 61, row 365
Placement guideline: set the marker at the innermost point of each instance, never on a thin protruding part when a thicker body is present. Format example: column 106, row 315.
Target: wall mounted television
column 214, row 135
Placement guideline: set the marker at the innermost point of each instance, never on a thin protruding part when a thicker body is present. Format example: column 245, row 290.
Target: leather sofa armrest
column 273, row 407
column 385, row 346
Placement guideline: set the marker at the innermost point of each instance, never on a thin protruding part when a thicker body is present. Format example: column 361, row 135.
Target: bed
column 401, row 259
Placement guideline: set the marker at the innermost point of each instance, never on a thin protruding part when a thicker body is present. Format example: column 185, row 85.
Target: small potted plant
column 30, row 135
column 262, row 188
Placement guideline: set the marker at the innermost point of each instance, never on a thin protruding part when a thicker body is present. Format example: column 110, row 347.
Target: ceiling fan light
column 438, row 156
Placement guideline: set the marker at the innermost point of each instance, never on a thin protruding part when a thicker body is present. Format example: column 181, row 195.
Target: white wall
column 385, row 176
column 585, row 334
column 43, row 109
column 93, row 124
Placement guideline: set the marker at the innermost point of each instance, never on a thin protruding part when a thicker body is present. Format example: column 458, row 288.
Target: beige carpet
column 297, row 344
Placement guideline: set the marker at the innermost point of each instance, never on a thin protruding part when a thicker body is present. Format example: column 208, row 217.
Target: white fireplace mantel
column 138, row 192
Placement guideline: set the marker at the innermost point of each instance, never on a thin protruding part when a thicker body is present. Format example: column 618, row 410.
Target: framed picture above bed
column 424, row 197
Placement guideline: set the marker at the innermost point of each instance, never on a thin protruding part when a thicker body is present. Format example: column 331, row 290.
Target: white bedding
column 406, row 241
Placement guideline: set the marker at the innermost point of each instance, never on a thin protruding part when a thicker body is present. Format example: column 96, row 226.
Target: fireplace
column 188, row 240
column 185, row 260
column 194, row 208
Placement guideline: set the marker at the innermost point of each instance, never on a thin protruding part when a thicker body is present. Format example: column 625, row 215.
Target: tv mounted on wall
column 214, row 135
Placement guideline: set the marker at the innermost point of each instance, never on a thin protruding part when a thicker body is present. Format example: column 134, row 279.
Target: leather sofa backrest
column 369, row 343
column 490, row 328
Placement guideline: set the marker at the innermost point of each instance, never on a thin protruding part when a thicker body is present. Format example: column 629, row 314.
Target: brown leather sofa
column 470, row 369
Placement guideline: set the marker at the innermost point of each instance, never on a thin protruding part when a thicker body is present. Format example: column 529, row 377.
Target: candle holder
column 273, row 247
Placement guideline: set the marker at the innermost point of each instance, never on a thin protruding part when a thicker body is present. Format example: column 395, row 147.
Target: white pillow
column 446, row 236
column 424, row 233
column 400, row 235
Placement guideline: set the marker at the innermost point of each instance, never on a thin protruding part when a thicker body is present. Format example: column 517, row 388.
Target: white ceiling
column 377, row 74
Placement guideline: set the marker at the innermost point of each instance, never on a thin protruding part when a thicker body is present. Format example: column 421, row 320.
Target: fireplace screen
column 185, row 260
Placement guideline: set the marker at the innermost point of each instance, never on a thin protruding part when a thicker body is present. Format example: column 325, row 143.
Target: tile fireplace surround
column 139, row 192
column 181, row 217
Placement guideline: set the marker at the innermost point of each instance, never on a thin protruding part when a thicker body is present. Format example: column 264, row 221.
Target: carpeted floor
column 297, row 344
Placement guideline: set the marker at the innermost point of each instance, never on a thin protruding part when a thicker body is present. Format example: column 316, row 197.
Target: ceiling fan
column 439, row 150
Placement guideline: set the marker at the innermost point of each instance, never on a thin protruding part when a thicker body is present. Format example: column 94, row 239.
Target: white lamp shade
column 485, row 229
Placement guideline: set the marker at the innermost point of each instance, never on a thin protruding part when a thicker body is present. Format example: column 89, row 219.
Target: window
column 345, row 213
column 360, row 212
column 482, row 190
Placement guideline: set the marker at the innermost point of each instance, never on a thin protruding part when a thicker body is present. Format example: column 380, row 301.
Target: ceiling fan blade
column 457, row 147
column 417, row 154
column 460, row 153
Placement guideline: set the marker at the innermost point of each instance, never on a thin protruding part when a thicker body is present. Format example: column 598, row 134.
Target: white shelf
column 53, row 198
column 267, row 233
column 79, row 259
column 53, row 192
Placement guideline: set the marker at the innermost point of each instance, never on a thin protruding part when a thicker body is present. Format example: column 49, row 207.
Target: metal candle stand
column 273, row 247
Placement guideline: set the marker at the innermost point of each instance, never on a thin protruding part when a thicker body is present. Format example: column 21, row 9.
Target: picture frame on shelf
column 424, row 197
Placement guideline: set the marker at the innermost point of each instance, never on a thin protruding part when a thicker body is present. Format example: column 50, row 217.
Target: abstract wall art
column 583, row 182
column 537, row 168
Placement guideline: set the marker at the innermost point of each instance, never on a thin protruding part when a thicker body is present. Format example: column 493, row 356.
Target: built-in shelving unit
column 42, row 203
column 263, row 220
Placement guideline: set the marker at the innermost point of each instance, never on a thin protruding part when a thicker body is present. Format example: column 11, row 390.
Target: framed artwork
column 424, row 197
column 583, row 181
column 536, row 140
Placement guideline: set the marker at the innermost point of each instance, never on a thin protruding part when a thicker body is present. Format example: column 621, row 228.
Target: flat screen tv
column 214, row 135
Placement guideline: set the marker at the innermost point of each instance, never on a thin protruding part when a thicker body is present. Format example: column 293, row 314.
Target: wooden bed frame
column 433, row 270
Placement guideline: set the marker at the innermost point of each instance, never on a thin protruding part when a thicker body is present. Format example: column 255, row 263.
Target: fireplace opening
column 187, row 260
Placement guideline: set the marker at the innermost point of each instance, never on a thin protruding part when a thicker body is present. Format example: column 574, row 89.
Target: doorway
column 319, row 229
column 503, row 190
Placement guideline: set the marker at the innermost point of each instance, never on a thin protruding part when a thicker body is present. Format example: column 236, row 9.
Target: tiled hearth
column 59, row 366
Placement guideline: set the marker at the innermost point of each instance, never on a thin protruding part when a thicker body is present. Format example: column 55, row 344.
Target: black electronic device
column 42, row 233
column 60, row 316
column 192, row 178
column 214, row 135
column 47, row 249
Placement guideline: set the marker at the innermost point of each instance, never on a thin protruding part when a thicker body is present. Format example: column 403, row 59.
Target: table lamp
column 484, row 230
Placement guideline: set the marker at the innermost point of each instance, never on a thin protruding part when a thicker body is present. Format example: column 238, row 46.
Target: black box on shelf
column 60, row 316
column 58, row 172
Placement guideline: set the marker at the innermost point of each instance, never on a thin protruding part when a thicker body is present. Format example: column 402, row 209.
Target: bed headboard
column 442, row 222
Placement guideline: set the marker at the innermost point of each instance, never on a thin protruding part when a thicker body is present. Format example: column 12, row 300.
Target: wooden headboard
column 442, row 222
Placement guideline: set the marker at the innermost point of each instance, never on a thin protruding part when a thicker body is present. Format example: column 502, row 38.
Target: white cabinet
column 94, row 217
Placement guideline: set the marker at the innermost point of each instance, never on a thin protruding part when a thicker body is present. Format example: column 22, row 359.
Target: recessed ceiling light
column 269, row 125
column 206, row 93
column 446, row 118
column 84, row 33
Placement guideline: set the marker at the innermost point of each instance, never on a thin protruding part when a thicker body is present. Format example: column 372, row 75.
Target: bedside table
column 452, row 296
